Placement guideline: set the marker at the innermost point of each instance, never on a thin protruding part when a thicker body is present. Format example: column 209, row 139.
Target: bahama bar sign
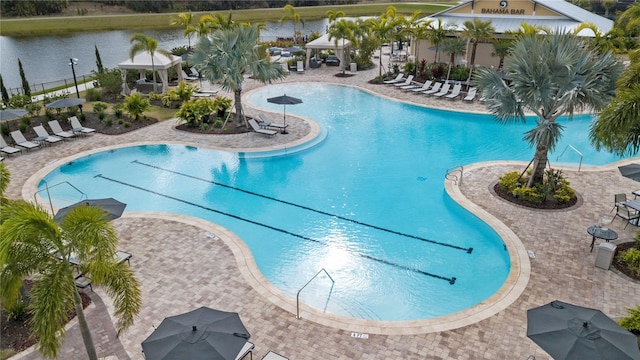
column 502, row 9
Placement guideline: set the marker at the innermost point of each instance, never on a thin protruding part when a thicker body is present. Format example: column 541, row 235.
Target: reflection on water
column 46, row 58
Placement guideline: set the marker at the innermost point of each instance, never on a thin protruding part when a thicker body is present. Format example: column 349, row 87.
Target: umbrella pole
column 284, row 120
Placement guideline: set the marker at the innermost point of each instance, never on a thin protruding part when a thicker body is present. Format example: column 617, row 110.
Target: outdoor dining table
column 635, row 205
column 600, row 232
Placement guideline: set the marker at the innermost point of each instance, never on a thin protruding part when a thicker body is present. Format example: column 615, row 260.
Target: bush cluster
column 554, row 185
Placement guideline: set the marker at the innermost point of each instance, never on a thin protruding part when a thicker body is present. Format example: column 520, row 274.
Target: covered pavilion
column 325, row 43
column 143, row 61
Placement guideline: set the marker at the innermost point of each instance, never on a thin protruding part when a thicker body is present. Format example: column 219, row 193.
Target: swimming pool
column 367, row 204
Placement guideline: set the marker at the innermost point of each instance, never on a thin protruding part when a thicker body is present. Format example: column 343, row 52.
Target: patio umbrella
column 284, row 100
column 111, row 206
column 203, row 333
column 567, row 331
column 65, row 103
column 293, row 49
column 12, row 114
column 631, row 171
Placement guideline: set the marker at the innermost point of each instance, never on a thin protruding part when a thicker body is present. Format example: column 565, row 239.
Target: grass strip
column 39, row 26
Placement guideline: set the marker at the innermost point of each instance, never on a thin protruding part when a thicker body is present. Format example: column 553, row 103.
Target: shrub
column 25, row 122
column 19, row 101
column 135, row 105
column 117, row 110
column 564, row 192
column 48, row 113
column 72, row 111
column 631, row 259
column 155, row 97
column 510, row 181
column 34, row 109
column 127, row 124
column 632, row 321
column 108, row 122
column 204, row 126
column 93, row 95
column 530, row 194
column 102, row 115
column 110, row 81
column 5, row 129
column 99, row 106
column 217, row 123
column 120, row 121
column 83, row 117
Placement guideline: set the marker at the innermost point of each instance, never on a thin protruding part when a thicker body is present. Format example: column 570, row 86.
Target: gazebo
column 324, row 43
column 142, row 62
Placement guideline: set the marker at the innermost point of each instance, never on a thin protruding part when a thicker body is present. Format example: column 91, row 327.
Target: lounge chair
column 396, row 80
column 407, row 82
column 471, row 95
column 9, row 150
column 194, row 72
column 19, row 139
column 274, row 356
column 412, row 86
column 256, row 128
column 443, row 91
column 455, row 92
column 434, row 89
column 300, row 67
column 246, row 349
column 266, row 123
column 187, row 77
column 424, row 86
column 76, row 127
column 43, row 135
column 57, row 130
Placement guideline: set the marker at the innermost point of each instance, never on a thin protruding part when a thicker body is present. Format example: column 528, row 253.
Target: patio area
column 166, row 248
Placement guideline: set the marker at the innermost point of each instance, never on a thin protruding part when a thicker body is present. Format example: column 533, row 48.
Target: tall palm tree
column 501, row 47
column 475, row 31
column 454, row 46
column 571, row 78
column 143, row 43
column 419, row 31
column 342, row 29
column 34, row 246
column 228, row 54
column 381, row 27
column 211, row 22
column 438, row 31
column 617, row 128
column 599, row 42
column 185, row 20
column 291, row 14
column 334, row 15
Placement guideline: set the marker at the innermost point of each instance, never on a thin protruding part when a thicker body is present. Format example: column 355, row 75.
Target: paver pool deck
column 180, row 268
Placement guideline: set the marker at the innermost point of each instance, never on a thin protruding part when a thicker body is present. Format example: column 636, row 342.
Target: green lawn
column 65, row 25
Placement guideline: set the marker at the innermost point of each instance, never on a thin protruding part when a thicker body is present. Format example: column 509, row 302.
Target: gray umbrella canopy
column 111, row 206
column 567, row 331
column 64, row 103
column 631, row 171
column 12, row 114
column 203, row 333
column 284, row 100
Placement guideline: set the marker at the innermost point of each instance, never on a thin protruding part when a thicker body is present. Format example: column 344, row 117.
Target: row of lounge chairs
column 430, row 88
column 43, row 136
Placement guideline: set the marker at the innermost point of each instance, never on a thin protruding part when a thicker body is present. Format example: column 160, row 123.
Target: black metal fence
column 49, row 86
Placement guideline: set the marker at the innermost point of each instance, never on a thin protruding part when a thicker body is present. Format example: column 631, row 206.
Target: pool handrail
column 449, row 175
column 305, row 285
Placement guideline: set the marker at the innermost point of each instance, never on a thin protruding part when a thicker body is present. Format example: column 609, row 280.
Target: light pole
column 72, row 62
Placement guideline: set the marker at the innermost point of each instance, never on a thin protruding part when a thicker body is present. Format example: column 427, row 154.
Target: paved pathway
column 180, row 268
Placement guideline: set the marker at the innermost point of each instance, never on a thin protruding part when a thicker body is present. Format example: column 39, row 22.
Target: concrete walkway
column 167, row 248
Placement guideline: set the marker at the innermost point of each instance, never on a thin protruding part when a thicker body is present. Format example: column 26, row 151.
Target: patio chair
column 471, row 95
column 630, row 217
column 443, row 91
column 455, row 92
column 246, row 350
column 300, row 67
column 266, row 123
column 54, row 125
column 434, row 89
column 19, row 139
column 9, row 150
column 187, row 77
column 407, row 82
column 256, row 128
column 424, row 86
column 396, row 80
column 76, row 127
column 619, row 200
column 274, row 356
column 43, row 135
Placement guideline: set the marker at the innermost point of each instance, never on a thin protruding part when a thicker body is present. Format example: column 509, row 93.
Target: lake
column 46, row 58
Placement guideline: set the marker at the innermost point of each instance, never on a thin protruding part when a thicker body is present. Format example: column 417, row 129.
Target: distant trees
column 25, row 83
column 31, row 7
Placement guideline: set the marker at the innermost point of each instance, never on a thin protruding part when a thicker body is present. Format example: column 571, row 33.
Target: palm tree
column 291, row 14
column 185, row 20
column 143, row 43
column 571, row 78
column 501, row 47
column 342, row 29
column 599, row 42
column 381, row 27
column 334, row 15
column 617, row 128
column 454, row 47
column 34, row 246
column 475, row 31
column 420, row 30
column 228, row 54
column 438, row 31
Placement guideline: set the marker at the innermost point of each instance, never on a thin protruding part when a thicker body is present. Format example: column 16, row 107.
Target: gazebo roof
column 323, row 42
column 143, row 61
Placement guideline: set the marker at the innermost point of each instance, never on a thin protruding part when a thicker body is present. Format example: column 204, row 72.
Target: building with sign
column 507, row 16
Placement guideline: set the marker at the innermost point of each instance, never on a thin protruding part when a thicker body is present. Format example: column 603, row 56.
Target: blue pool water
column 367, row 203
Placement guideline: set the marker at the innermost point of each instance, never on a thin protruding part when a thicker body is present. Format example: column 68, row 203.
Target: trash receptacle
column 604, row 258
column 354, row 67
